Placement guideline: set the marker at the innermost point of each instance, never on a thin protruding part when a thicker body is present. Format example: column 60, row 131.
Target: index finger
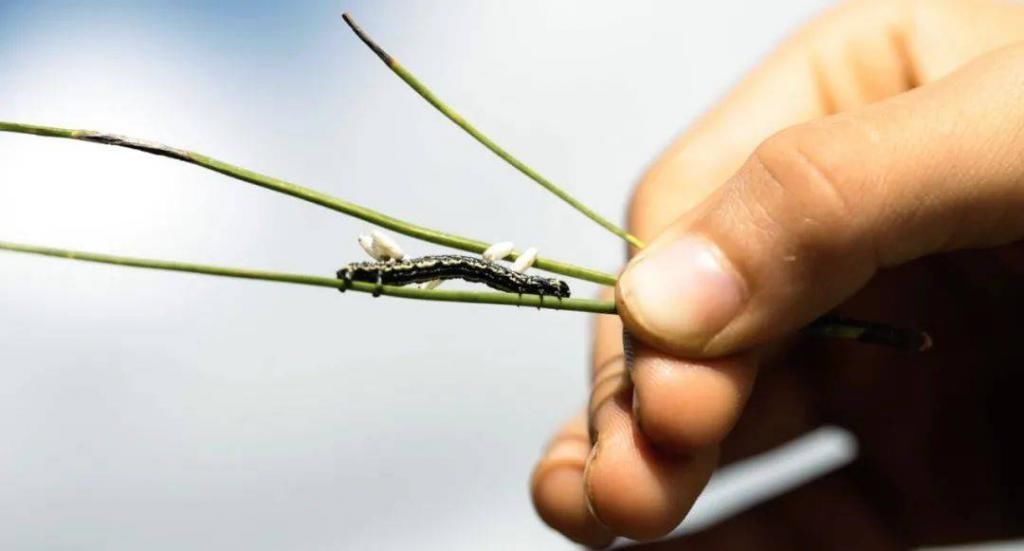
column 857, row 53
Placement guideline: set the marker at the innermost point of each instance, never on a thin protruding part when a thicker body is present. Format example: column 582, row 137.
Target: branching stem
column 479, row 136
column 300, row 192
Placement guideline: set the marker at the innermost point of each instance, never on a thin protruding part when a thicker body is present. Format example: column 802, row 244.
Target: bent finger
column 557, row 486
column 807, row 221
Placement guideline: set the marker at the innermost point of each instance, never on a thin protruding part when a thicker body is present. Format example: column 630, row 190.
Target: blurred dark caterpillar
column 451, row 266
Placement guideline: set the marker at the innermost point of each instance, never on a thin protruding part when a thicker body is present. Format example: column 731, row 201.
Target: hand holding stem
column 847, row 158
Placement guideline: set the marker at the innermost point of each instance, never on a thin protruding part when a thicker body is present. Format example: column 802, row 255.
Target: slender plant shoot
column 462, row 123
column 828, row 326
column 474, row 297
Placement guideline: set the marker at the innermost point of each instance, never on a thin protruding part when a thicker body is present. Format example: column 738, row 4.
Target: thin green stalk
column 510, row 299
column 300, row 192
column 462, row 123
column 826, row 326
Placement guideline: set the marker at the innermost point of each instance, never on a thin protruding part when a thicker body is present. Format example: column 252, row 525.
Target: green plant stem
column 510, row 299
column 827, row 326
column 300, row 192
column 462, row 123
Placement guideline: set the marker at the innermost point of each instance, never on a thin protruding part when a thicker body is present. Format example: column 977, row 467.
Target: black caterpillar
column 451, row 266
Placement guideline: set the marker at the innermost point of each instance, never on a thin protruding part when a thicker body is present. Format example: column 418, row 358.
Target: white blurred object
column 525, row 260
column 366, row 242
column 380, row 246
column 498, row 251
column 1006, row 545
column 386, row 247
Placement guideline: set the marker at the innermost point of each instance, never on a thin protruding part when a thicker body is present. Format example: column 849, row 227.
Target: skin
column 873, row 164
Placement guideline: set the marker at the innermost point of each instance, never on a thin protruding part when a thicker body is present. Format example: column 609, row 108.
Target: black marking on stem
column 384, row 56
column 134, row 143
column 450, row 266
column 832, row 325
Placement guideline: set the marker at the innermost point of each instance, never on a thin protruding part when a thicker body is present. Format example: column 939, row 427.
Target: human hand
column 879, row 136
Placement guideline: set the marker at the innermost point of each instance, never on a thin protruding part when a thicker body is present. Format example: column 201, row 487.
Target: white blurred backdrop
column 142, row 409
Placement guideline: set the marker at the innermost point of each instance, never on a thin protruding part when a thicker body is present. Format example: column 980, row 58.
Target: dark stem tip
column 384, row 56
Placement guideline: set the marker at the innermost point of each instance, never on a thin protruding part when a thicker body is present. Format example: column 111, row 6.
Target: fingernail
column 683, row 291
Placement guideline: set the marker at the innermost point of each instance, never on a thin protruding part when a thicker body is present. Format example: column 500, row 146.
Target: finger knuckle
column 801, row 189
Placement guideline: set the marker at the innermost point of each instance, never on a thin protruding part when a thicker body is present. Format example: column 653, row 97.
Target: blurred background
column 142, row 409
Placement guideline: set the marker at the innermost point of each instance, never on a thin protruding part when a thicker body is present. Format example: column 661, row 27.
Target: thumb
column 819, row 208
